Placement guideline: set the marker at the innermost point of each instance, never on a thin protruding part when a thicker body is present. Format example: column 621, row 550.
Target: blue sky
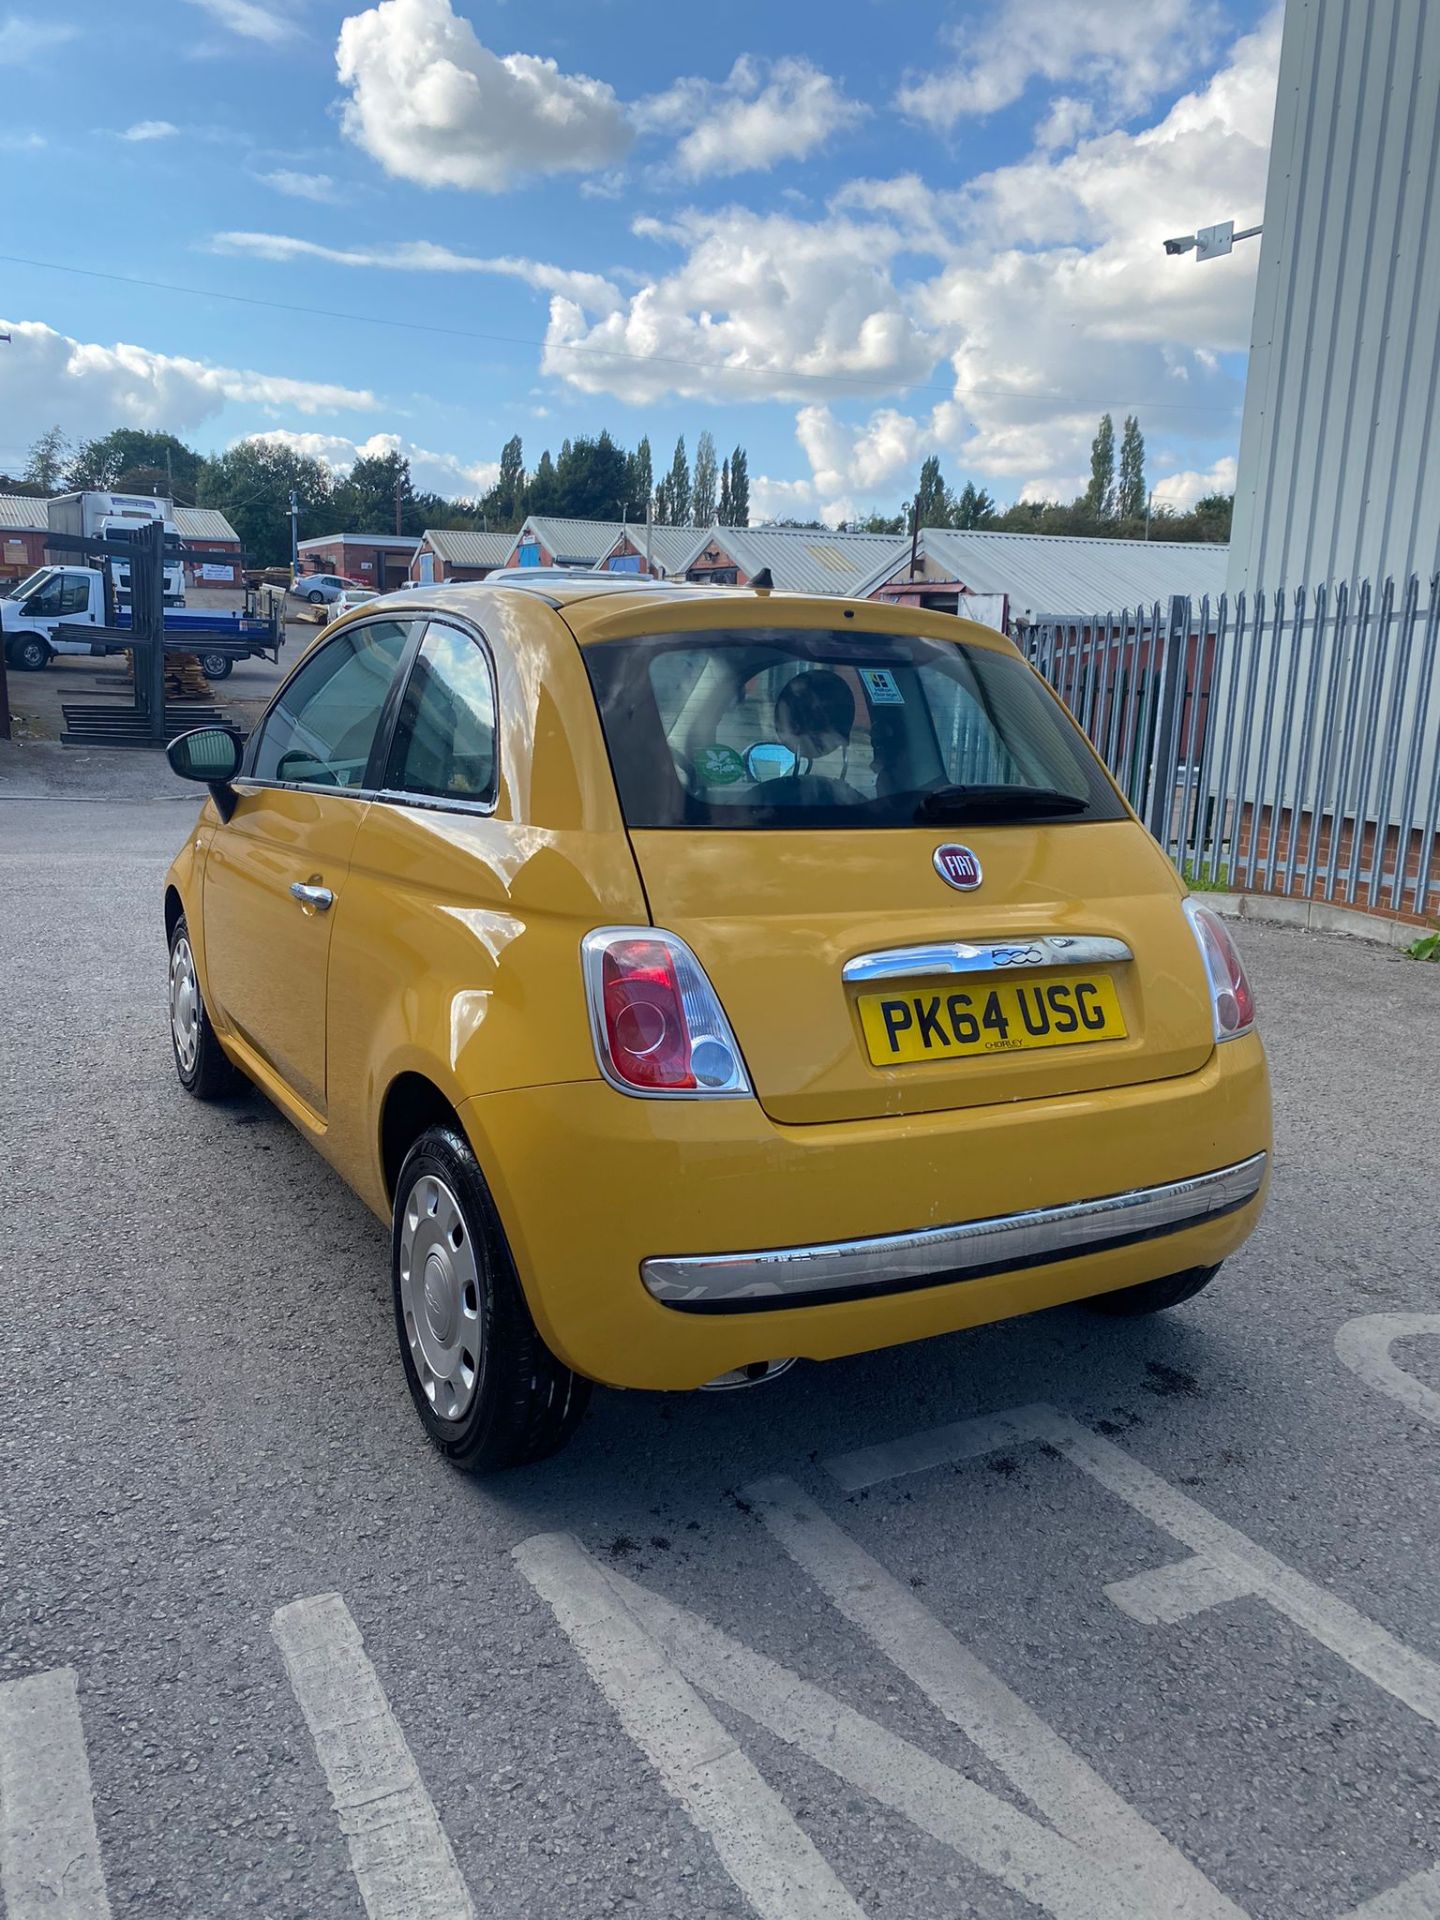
column 846, row 235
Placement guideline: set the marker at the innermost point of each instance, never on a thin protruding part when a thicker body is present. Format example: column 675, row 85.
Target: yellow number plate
column 950, row 1023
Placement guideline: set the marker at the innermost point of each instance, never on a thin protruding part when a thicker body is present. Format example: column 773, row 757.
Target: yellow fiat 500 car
column 697, row 979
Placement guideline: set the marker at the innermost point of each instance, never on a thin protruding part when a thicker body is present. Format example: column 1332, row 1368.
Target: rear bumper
column 974, row 1250
column 594, row 1188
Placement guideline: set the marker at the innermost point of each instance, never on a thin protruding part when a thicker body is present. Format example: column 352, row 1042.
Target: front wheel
column 489, row 1392
column 1153, row 1296
column 216, row 666
column 28, row 651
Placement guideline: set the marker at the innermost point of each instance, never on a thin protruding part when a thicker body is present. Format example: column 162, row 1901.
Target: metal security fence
column 1283, row 743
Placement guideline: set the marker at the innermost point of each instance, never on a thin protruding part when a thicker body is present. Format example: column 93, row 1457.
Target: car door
column 275, row 873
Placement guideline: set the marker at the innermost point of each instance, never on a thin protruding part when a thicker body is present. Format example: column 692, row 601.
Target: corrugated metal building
column 800, row 559
column 547, row 542
column 1046, row 574
column 457, row 553
column 660, row 551
column 1337, row 475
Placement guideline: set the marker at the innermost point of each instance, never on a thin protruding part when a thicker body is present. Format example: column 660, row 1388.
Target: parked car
column 351, row 598
column 698, row 980
column 321, row 588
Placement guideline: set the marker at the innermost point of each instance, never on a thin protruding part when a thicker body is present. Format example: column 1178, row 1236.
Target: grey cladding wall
column 1337, row 474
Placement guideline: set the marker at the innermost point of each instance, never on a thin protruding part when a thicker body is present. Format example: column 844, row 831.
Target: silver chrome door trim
column 987, row 956
column 721, row 1282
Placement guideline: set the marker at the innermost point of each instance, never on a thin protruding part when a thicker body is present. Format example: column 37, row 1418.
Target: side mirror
column 770, row 760
column 211, row 754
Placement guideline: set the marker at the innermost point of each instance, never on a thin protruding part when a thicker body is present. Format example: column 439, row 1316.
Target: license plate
column 951, row 1023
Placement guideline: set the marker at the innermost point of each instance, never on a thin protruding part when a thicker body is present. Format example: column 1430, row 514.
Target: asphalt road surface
column 1065, row 1616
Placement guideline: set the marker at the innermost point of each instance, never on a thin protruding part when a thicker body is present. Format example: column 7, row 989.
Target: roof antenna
column 764, row 581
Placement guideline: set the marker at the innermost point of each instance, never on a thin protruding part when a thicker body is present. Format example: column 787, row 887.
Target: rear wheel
column 316, row 599
column 28, row 651
column 201, row 1065
column 216, row 666
column 1153, row 1296
column 489, row 1392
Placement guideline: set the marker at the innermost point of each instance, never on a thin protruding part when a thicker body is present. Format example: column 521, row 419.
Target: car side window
column 444, row 745
column 321, row 729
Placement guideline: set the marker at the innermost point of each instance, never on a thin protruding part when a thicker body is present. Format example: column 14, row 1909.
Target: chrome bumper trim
column 973, row 1250
column 1028, row 950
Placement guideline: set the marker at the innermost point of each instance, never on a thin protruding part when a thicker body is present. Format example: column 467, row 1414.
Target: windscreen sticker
column 879, row 683
column 718, row 766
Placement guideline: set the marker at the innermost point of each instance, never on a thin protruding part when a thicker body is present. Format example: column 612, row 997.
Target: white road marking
column 1047, row 1771
column 399, row 1852
column 1405, row 1675
column 762, row 1848
column 1162, row 1596
column 1364, row 1345
column 1041, row 1866
column 49, row 1854
column 1415, row 1899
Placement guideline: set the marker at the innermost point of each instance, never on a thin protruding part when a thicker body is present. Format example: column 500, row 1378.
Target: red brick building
column 379, row 560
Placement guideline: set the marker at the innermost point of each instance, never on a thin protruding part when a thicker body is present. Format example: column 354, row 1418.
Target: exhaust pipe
column 754, row 1375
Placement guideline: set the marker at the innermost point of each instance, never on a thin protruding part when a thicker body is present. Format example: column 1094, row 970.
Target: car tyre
column 29, row 652
column 316, row 599
column 488, row 1391
column 216, row 666
column 200, row 1062
column 1153, row 1296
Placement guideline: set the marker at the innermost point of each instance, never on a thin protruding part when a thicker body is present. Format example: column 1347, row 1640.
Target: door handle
column 318, row 899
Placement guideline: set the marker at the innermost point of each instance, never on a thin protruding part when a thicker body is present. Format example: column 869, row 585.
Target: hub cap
column 184, row 1005
column 440, row 1297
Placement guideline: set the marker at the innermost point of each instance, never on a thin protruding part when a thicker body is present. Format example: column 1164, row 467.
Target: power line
column 888, row 385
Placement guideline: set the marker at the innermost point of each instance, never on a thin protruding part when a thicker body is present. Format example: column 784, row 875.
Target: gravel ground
column 204, row 1420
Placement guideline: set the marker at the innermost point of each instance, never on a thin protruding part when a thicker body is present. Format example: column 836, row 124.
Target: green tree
column 739, row 488
column 542, row 494
column 677, row 488
column 932, row 503
column 510, row 487
column 725, row 511
column 105, row 463
column 1130, row 488
column 1212, row 514
column 378, row 492
column 591, row 479
column 876, row 523
column 1099, row 496
column 971, row 507
column 47, row 459
column 251, row 483
column 640, row 479
column 702, row 491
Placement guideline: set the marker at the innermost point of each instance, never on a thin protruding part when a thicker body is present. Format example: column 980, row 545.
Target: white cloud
column 592, row 290
column 762, row 307
column 431, row 104
column 150, row 130
column 763, row 113
column 22, row 37
column 249, row 19
column 1125, row 51
column 1056, row 301
column 46, row 378
column 1180, row 491
column 319, row 187
column 443, row 473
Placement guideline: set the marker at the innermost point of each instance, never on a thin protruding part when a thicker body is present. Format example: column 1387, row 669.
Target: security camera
column 1182, row 243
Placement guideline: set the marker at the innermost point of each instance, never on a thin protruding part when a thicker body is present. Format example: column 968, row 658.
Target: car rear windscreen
column 754, row 728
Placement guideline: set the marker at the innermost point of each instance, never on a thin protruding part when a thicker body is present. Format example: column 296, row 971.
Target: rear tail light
column 1230, row 995
column 659, row 1029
